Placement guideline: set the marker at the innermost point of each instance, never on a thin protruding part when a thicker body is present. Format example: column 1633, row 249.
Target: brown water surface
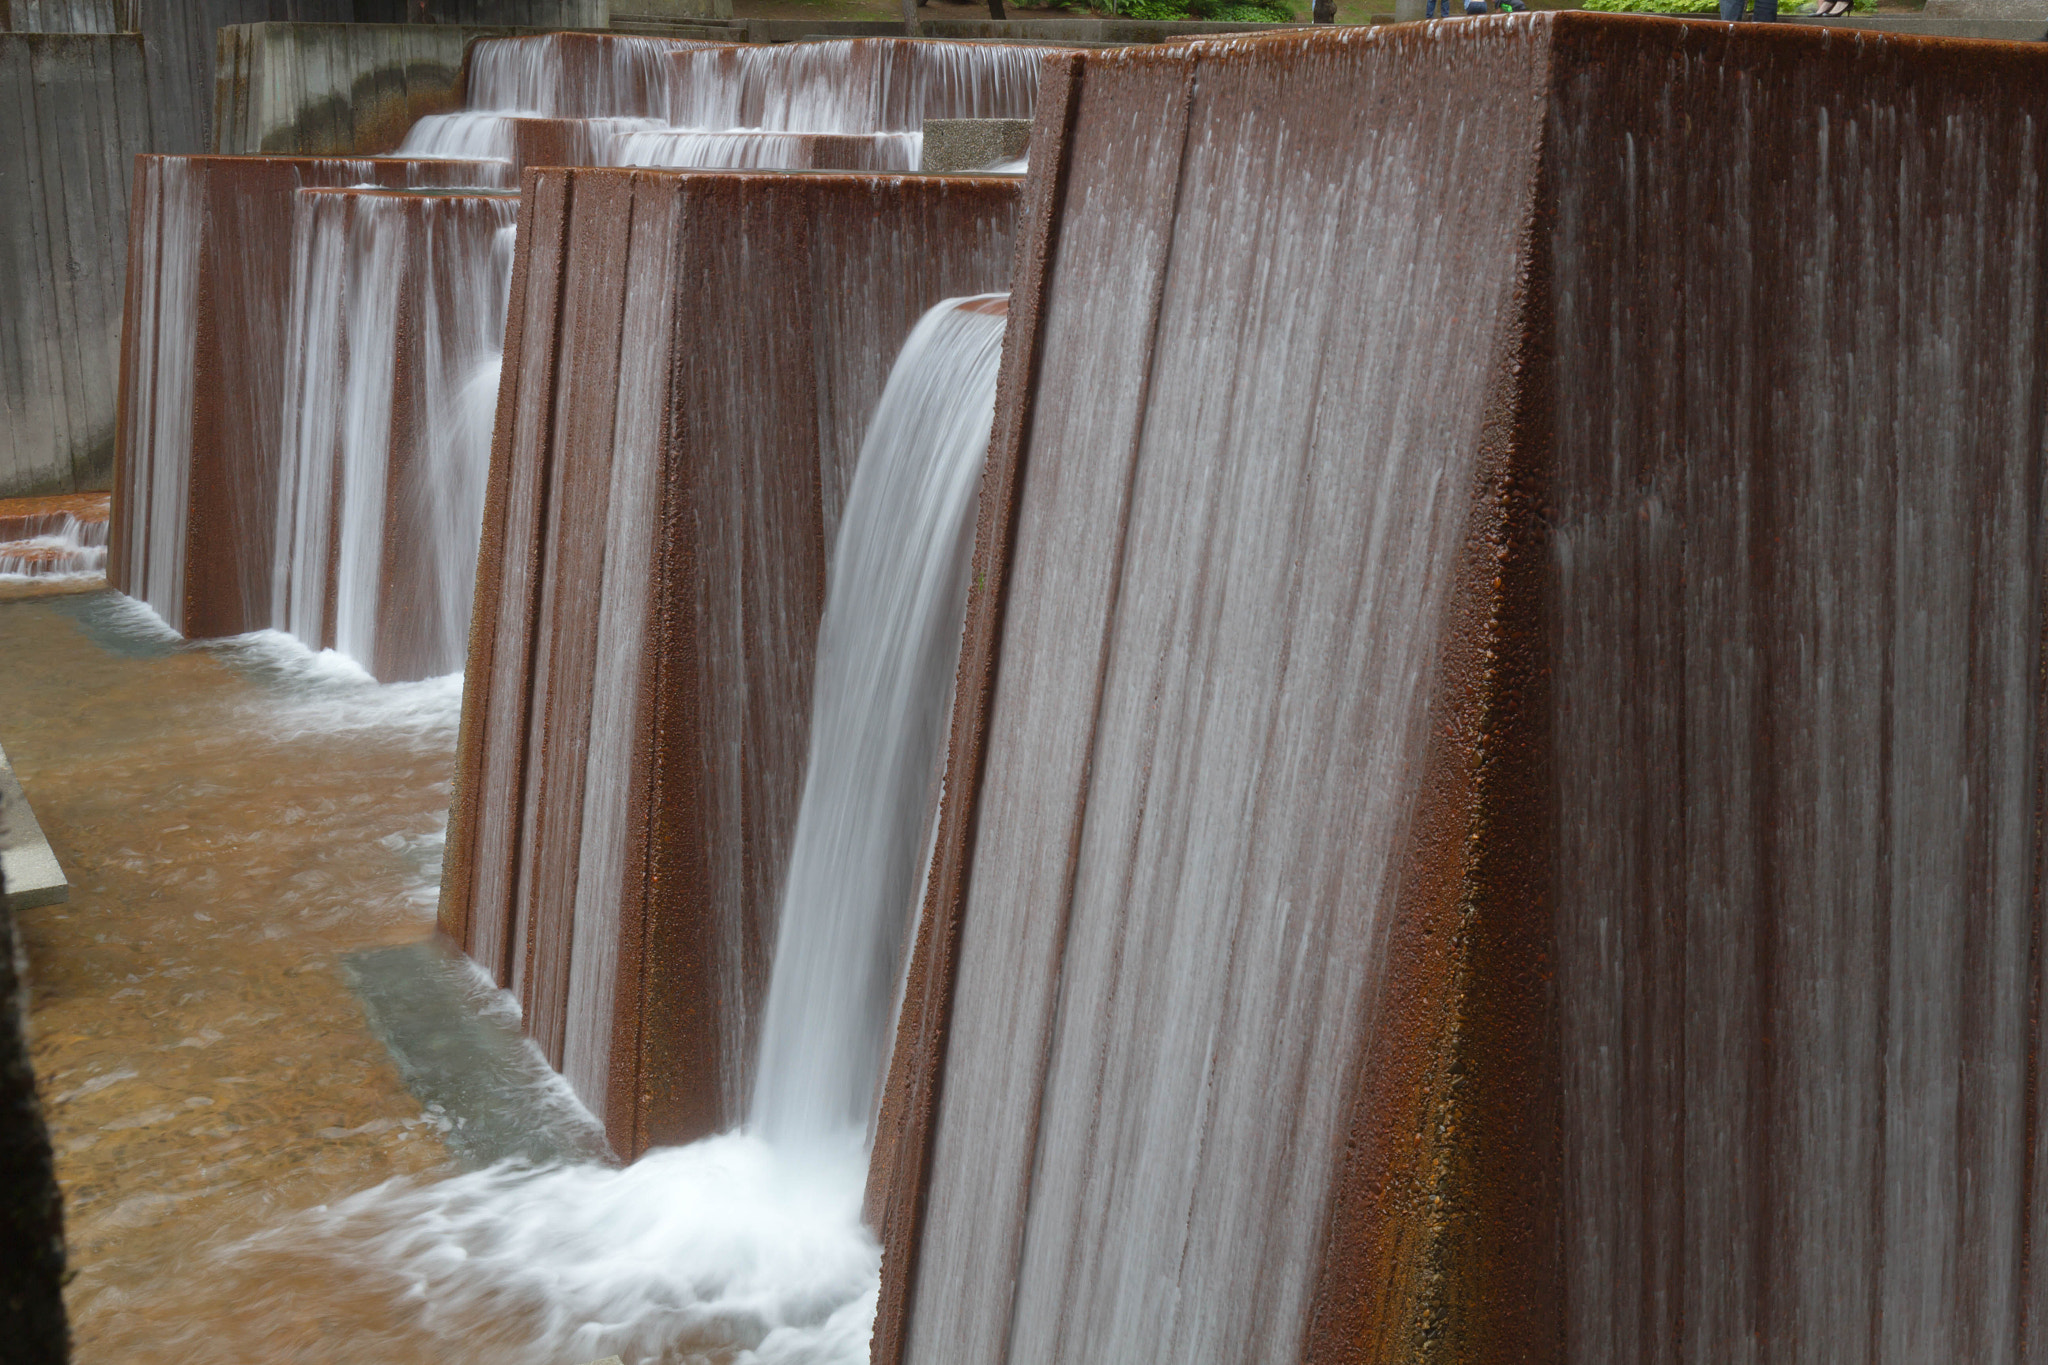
column 233, row 821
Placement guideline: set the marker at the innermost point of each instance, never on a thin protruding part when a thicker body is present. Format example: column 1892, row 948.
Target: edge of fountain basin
column 28, row 868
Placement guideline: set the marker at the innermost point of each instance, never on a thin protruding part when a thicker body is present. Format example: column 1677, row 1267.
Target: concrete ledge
column 954, row 146
column 27, row 867
column 73, row 114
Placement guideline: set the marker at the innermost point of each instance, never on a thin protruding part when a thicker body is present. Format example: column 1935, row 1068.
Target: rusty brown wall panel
column 1701, row 1021
column 591, row 332
column 479, row 876
column 1799, row 952
column 769, row 278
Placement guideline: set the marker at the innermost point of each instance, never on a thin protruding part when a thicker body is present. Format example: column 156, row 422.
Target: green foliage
column 1242, row 11
column 1703, row 6
column 1213, row 11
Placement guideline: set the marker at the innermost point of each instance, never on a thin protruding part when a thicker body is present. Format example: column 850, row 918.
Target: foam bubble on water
column 718, row 1250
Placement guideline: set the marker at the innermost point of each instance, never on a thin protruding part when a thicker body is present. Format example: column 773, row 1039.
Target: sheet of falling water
column 233, row 819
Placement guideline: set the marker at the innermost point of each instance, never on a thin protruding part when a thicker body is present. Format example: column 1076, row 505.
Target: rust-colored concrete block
column 203, row 375
column 691, row 360
column 1495, row 806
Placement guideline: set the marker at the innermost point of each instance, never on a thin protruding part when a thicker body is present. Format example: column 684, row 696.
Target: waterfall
column 54, row 544
column 387, row 422
column 886, row 649
column 564, row 100
column 158, row 409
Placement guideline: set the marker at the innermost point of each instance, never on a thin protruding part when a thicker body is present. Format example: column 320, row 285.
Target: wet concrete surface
column 236, row 820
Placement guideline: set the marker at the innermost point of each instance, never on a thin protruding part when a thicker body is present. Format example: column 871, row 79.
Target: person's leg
column 1731, row 10
column 1766, row 12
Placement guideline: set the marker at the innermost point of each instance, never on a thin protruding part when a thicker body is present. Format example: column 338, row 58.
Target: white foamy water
column 723, row 1250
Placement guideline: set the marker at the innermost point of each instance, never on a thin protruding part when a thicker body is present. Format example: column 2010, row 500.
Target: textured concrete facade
column 956, row 146
column 332, row 89
column 204, row 363
column 73, row 113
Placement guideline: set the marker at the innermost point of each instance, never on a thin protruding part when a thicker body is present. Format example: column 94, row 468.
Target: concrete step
column 27, row 867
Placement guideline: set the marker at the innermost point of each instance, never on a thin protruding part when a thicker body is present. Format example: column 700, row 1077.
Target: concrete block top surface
column 27, row 866
column 953, row 146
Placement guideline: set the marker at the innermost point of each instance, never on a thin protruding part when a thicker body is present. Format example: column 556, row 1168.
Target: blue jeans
column 1429, row 8
column 1766, row 11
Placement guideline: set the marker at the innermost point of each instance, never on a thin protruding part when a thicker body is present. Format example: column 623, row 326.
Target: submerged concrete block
column 691, row 361
column 204, row 367
column 29, row 874
column 1494, row 810
column 73, row 112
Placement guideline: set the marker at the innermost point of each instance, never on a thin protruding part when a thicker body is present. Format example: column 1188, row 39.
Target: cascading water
column 381, row 460
column 711, row 106
column 57, row 543
column 746, row 1247
column 885, row 652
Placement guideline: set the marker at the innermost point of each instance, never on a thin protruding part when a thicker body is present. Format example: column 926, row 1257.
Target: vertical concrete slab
column 1495, row 810
column 73, row 113
column 204, row 367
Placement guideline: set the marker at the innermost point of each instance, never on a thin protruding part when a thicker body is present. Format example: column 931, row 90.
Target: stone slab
column 73, row 114
column 27, row 866
column 1456, row 844
column 955, row 146
column 456, row 1043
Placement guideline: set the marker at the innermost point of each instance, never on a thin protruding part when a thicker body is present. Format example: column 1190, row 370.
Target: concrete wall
column 290, row 89
column 1683, row 1008
column 331, row 89
column 180, row 39
column 68, row 16
column 741, row 396
column 73, row 114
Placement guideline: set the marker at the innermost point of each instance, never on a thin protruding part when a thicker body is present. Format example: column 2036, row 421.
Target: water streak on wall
column 1495, row 807
column 397, row 308
column 203, row 370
